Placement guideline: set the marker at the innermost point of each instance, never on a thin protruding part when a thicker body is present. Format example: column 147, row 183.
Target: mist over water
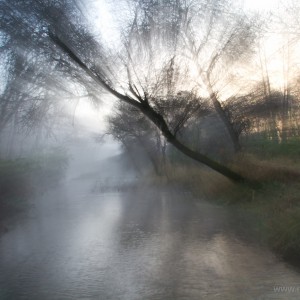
column 79, row 240
column 88, row 157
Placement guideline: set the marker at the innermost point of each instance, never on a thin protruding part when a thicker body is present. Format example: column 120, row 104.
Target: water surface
column 82, row 241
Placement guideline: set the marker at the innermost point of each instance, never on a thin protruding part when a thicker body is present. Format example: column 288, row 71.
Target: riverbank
column 275, row 203
column 22, row 178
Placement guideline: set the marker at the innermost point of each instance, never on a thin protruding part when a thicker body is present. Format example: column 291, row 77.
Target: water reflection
column 139, row 244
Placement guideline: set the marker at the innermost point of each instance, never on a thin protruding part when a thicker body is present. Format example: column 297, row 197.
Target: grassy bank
column 276, row 202
column 22, row 178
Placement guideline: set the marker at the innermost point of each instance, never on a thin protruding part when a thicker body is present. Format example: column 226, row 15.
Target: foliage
column 284, row 229
column 21, row 178
column 268, row 149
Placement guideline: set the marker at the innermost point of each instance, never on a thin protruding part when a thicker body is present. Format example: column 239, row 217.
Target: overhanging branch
column 96, row 77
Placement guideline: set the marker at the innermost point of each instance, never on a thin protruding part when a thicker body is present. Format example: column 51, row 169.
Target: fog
column 149, row 149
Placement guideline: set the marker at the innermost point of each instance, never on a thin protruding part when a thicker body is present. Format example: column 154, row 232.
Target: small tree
column 133, row 130
column 131, row 127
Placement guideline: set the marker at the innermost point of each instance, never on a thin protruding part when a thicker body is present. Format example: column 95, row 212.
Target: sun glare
column 104, row 21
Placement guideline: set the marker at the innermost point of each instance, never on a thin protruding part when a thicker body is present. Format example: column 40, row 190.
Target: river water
column 83, row 240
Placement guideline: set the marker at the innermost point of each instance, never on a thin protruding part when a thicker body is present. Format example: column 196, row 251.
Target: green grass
column 270, row 149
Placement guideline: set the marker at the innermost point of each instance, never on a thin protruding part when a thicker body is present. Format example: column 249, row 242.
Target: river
column 83, row 240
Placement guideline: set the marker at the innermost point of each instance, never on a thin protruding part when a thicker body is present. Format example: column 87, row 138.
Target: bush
column 21, row 178
column 284, row 234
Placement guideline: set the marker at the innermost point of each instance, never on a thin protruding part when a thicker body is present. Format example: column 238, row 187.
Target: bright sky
column 104, row 20
column 261, row 5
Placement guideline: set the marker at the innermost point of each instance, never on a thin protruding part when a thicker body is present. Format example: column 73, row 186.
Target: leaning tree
column 129, row 126
column 138, row 71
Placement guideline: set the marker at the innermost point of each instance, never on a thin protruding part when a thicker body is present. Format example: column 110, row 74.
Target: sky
column 87, row 114
column 261, row 5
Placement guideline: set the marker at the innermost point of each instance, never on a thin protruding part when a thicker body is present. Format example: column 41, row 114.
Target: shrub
column 21, row 178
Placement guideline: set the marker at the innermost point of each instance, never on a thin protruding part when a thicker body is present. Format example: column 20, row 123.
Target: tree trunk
column 220, row 111
column 205, row 160
column 159, row 121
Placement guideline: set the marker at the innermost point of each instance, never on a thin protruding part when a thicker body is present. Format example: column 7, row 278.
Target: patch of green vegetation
column 267, row 148
column 21, row 178
column 278, row 205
